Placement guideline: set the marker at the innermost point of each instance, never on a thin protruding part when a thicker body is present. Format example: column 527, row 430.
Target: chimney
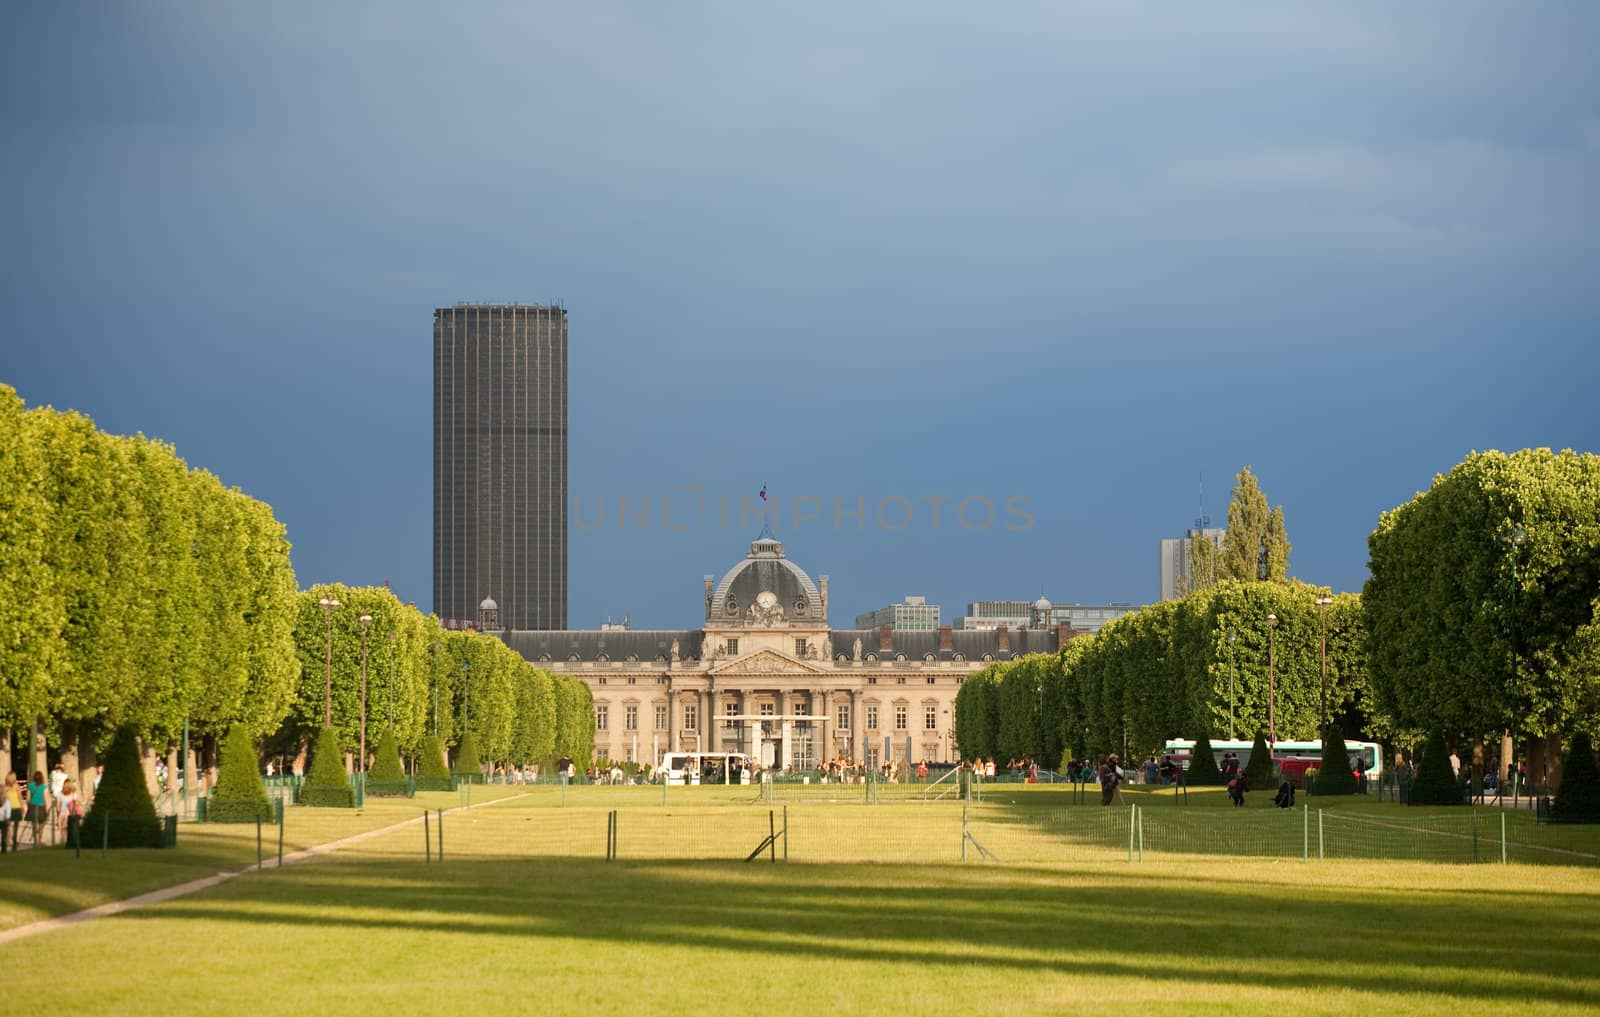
column 824, row 592
column 885, row 638
column 946, row 640
column 1063, row 633
column 1005, row 638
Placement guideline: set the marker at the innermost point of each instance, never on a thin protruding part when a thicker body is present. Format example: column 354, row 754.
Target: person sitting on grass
column 1284, row 799
column 1236, row 789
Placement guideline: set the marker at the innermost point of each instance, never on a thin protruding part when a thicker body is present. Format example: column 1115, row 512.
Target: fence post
column 427, row 838
column 259, row 859
column 1502, row 836
column 1474, row 835
column 1321, row 854
column 1305, row 833
column 1140, row 816
column 280, row 833
column 963, row 831
column 441, row 835
column 786, row 833
column 772, row 836
column 1132, row 818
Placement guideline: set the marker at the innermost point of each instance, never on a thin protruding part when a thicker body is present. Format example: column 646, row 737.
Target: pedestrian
column 68, row 808
column 1236, row 790
column 1108, row 780
column 1121, row 776
column 13, row 802
column 38, row 804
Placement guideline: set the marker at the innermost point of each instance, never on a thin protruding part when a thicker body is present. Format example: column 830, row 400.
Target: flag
column 763, row 492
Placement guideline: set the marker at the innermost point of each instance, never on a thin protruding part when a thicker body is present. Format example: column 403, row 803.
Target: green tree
column 1334, row 774
column 1256, row 546
column 1259, row 769
column 432, row 773
column 1436, row 782
column 468, row 767
column 1578, row 797
column 240, row 795
column 1203, row 770
column 327, row 785
column 387, row 778
column 122, row 814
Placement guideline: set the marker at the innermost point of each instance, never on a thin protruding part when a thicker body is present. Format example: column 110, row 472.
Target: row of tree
column 1209, row 663
column 137, row 592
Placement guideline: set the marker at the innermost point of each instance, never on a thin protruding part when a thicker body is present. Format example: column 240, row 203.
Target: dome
column 766, row 589
column 488, row 605
column 1041, row 604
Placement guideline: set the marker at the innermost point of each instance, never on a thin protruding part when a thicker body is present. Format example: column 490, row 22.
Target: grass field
column 512, row 922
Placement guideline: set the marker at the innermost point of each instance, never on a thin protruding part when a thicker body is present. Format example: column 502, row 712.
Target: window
column 799, row 647
column 930, row 718
column 844, row 718
column 872, row 718
column 730, row 709
column 630, row 718
column 733, row 647
column 661, row 718
column 691, row 718
column 601, row 718
column 902, row 679
column 872, row 680
column 931, row 679
column 768, row 709
column 899, row 718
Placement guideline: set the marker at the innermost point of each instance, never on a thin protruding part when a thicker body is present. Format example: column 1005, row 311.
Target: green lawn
column 523, row 916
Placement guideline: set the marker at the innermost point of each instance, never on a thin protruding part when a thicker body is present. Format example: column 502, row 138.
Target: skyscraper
column 500, row 463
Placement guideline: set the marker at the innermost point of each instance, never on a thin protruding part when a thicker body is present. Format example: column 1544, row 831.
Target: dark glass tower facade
column 500, row 463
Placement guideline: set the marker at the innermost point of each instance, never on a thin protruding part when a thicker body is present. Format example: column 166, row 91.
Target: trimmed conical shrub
column 124, row 798
column 433, row 774
column 327, row 785
column 1259, row 771
column 1578, row 798
column 240, row 796
column 1334, row 776
column 1203, row 770
column 387, row 779
column 467, row 767
column 1436, row 782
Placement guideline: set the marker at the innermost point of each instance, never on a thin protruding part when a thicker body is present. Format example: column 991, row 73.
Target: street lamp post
column 466, row 694
column 1322, row 611
column 366, row 623
column 328, row 605
column 1272, row 679
column 1516, row 539
column 1233, row 681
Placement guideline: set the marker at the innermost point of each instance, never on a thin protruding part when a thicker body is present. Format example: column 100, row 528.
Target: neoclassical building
column 765, row 674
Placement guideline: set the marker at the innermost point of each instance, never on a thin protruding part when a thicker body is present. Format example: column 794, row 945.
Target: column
column 674, row 719
column 819, row 707
column 853, row 745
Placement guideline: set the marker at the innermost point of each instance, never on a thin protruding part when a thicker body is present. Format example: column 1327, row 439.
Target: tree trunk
column 147, row 761
column 88, row 762
column 5, row 748
column 1477, row 765
column 39, row 757
column 69, row 750
column 208, row 760
column 298, row 767
column 1553, row 761
column 1533, row 751
column 1507, row 757
column 349, row 763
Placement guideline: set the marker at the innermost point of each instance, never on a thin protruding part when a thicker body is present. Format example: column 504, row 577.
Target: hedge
column 1260, row 771
column 387, row 779
column 1436, row 782
column 467, row 767
column 1578, row 797
column 433, row 774
column 1334, row 775
column 125, row 798
column 1203, row 771
column 327, row 785
column 240, row 795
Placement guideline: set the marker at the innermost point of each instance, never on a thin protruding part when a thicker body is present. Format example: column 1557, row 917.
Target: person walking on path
column 69, row 809
column 11, row 830
column 38, row 804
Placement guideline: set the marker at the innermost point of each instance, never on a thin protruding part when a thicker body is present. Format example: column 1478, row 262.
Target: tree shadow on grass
column 922, row 915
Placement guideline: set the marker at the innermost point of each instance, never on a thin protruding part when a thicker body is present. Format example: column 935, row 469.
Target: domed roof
column 488, row 605
column 793, row 596
column 1041, row 604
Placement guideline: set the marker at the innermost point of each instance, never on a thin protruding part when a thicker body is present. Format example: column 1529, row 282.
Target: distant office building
column 500, row 463
column 1175, row 572
column 915, row 613
column 1015, row 614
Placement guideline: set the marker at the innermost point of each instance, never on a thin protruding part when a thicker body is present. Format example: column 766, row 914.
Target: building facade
column 500, row 463
column 765, row 674
column 915, row 613
column 1175, row 571
column 1081, row 618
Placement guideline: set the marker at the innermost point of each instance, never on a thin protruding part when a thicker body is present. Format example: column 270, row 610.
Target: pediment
column 767, row 662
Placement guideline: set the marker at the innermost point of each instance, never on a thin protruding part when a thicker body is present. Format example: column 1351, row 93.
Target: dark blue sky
column 1077, row 254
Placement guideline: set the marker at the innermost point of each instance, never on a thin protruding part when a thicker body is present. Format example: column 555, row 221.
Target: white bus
column 679, row 768
column 1292, row 758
